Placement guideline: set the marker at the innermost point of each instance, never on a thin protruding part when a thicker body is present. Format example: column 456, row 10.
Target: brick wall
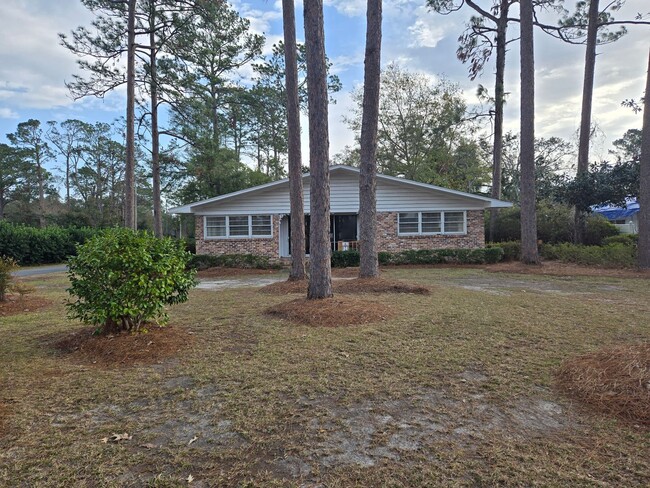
column 259, row 245
column 388, row 240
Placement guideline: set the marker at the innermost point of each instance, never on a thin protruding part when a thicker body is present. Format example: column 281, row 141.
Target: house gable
column 393, row 195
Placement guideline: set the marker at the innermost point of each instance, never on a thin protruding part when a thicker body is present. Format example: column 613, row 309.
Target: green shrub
column 247, row 261
column 345, row 259
column 121, row 279
column 7, row 265
column 31, row 245
column 598, row 228
column 627, row 239
column 610, row 256
column 342, row 259
column 511, row 249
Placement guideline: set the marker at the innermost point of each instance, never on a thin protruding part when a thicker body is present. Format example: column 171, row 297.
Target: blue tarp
column 615, row 213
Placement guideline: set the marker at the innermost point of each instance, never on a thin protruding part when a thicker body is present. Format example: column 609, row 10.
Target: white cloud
column 34, row 66
column 7, row 113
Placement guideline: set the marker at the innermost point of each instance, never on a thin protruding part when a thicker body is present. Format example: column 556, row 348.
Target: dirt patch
column 379, row 285
column 331, row 312
column 285, row 288
column 615, row 380
column 16, row 305
column 121, row 350
column 371, row 432
column 234, row 272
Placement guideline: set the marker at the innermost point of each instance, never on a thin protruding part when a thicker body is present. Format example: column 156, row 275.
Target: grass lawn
column 456, row 389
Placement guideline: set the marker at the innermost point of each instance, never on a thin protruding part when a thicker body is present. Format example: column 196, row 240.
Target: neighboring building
column 626, row 219
column 410, row 215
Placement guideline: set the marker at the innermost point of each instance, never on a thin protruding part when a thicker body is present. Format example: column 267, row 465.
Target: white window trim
column 228, row 236
column 442, row 224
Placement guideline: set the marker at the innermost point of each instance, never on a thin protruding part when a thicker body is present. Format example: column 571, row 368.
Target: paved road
column 56, row 268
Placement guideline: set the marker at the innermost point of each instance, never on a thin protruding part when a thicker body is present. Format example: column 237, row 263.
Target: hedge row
column 343, row 259
column 617, row 255
column 251, row 261
column 31, row 245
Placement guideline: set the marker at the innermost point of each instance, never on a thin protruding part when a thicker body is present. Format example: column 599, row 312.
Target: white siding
column 344, row 196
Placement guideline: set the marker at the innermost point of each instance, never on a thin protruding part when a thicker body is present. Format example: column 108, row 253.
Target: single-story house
column 410, row 215
column 626, row 218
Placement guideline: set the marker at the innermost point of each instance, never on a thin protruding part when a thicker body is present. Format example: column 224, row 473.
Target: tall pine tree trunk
column 585, row 116
column 499, row 101
column 369, row 265
column 644, row 181
column 529, row 251
column 130, row 220
column 320, row 276
column 155, row 135
column 297, row 215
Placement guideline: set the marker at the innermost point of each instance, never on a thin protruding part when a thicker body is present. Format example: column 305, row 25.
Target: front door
column 342, row 228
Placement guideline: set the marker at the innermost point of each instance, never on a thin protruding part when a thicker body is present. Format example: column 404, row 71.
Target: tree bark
column 155, row 136
column 529, row 251
column 130, row 220
column 320, row 276
column 369, row 265
column 297, row 214
column 499, row 101
column 585, row 116
column 644, row 181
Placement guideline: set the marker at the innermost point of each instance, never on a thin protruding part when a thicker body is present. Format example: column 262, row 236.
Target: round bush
column 122, row 279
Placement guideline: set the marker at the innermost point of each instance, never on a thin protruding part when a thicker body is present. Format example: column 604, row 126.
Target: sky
column 34, row 66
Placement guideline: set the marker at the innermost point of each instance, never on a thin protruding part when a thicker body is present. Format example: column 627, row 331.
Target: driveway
column 41, row 270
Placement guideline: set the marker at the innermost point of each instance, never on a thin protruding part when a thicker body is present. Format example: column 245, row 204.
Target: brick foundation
column 259, row 246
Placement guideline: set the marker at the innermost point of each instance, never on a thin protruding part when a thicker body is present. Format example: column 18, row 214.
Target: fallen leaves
column 117, row 438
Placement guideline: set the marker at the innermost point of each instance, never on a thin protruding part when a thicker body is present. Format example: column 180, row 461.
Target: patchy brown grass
column 614, row 380
column 379, row 285
column 331, row 312
column 556, row 268
column 149, row 347
column 4, row 416
column 234, row 272
column 16, row 305
column 454, row 389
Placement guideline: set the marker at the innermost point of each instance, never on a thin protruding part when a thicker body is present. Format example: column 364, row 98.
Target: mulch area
column 14, row 305
column 379, row 285
column 339, row 311
column 123, row 350
column 614, row 380
column 234, row 272
column 348, row 286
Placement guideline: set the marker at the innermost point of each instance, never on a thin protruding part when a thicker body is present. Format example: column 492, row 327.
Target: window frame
column 442, row 223
column 250, row 234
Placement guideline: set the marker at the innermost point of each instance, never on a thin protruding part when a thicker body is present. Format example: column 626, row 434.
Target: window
column 215, row 226
column 261, row 225
column 426, row 223
column 408, row 223
column 239, row 226
column 431, row 222
column 454, row 222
